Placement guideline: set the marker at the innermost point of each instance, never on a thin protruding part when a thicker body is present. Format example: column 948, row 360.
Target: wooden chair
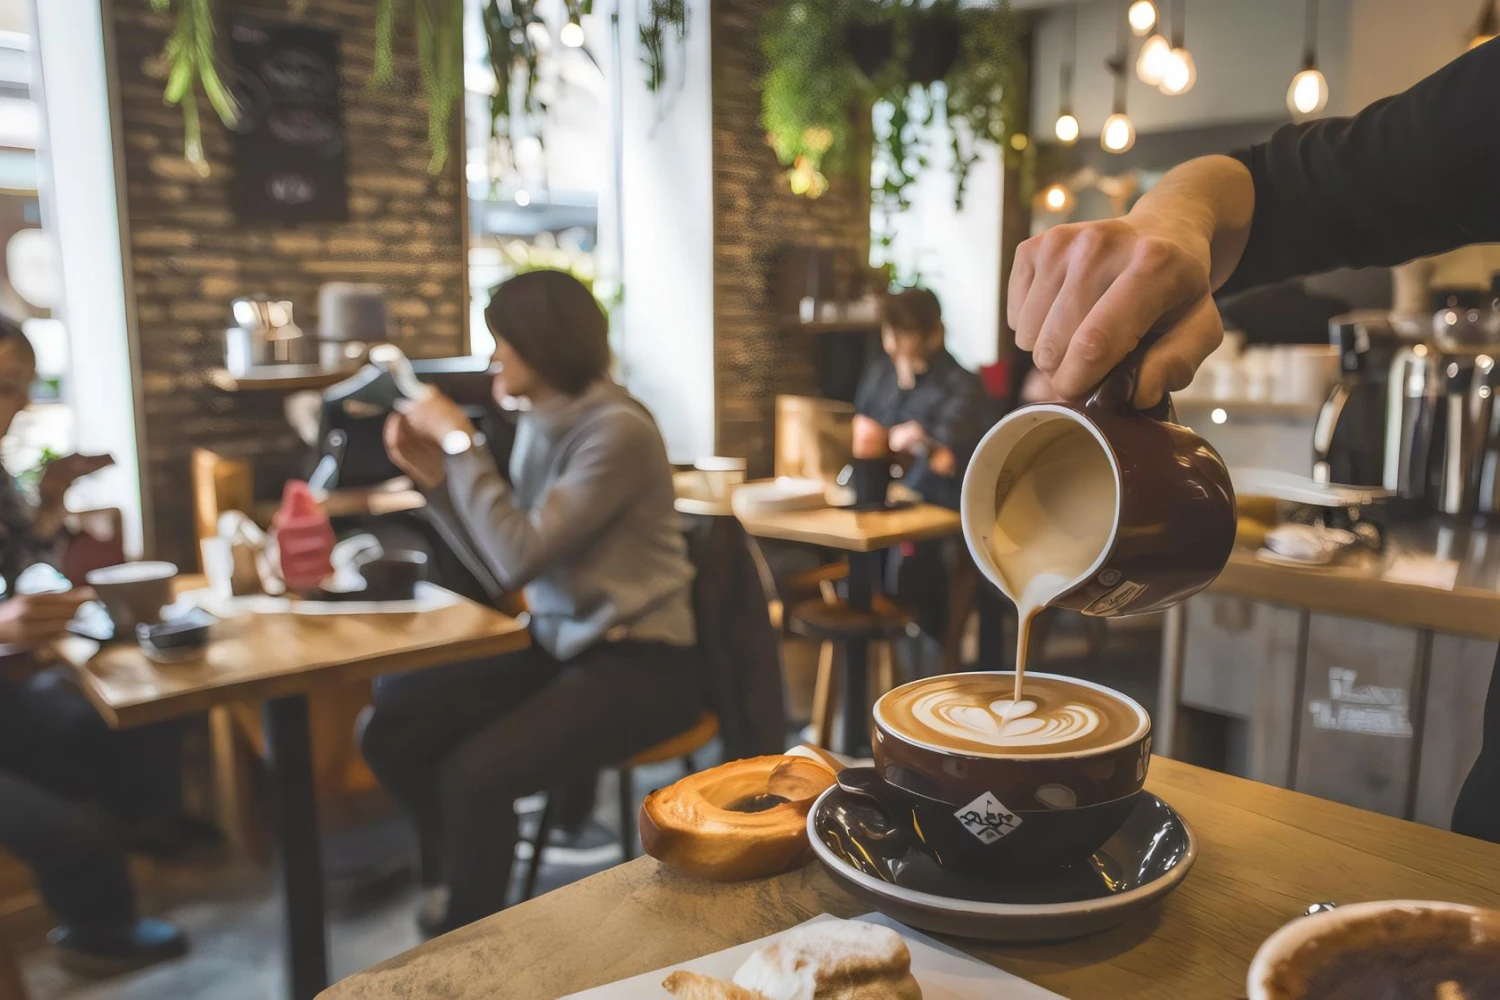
column 222, row 484
column 679, row 747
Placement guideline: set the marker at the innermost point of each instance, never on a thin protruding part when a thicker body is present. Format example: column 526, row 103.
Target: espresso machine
column 1442, row 437
column 1349, row 438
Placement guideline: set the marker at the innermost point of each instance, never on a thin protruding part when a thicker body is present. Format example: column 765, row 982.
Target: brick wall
column 189, row 256
column 755, row 213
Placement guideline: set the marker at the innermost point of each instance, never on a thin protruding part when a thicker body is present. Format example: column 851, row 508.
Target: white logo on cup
column 988, row 819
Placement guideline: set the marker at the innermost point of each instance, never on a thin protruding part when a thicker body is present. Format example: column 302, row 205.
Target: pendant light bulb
column 571, row 34
column 1118, row 134
column 1067, row 128
column 1057, row 198
column 1180, row 73
column 1151, row 65
column 1308, row 93
column 1142, row 17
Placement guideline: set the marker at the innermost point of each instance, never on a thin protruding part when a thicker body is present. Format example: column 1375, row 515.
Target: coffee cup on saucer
column 1402, row 949
column 987, row 785
column 134, row 593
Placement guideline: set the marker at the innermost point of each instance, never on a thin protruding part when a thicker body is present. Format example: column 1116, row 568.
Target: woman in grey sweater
column 586, row 529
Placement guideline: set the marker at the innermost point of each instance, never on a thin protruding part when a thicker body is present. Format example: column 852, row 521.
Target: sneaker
column 432, row 912
column 94, row 953
column 591, row 844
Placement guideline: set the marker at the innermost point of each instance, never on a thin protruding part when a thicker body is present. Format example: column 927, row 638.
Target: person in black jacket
column 1409, row 176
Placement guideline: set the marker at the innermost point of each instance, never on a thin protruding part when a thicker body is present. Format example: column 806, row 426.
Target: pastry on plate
column 834, row 960
column 691, row 986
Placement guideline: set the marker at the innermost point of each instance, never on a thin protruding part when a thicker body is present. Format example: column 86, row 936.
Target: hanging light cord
column 1489, row 19
column 1116, row 62
column 1310, row 44
column 1179, row 17
column 1067, row 66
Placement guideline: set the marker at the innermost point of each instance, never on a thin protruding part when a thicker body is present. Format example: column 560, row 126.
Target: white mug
column 1285, row 942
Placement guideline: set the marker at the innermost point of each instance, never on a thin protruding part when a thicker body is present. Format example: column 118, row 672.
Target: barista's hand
column 32, row 619
column 417, row 455
column 1082, row 295
column 907, row 437
column 435, row 416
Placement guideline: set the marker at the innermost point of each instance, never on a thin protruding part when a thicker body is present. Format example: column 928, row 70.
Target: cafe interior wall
column 757, row 355
column 189, row 255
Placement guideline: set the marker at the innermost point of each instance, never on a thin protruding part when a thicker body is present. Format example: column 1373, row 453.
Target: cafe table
column 278, row 658
column 1264, row 854
column 862, row 534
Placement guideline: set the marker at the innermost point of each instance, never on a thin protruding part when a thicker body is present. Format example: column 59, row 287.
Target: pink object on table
column 304, row 538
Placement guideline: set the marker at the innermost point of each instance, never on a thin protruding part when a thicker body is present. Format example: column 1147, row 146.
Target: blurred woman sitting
column 587, row 529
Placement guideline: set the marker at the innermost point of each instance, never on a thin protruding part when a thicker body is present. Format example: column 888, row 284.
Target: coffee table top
column 856, row 531
column 1265, row 854
column 255, row 656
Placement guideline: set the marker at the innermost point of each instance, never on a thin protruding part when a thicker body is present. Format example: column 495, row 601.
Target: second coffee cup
column 987, row 785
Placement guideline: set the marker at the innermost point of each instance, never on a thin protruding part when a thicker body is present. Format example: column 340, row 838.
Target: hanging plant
column 190, row 62
column 906, row 58
column 511, row 50
column 440, row 52
column 664, row 20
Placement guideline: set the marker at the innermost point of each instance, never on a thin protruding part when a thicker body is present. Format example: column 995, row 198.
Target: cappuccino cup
column 1401, row 949
column 989, row 785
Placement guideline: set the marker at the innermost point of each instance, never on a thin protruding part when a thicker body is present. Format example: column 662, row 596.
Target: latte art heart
column 1004, row 722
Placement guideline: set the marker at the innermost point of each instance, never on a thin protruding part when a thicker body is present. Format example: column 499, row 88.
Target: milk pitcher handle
column 1114, row 393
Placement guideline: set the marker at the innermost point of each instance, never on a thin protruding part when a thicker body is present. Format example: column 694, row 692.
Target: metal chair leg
column 690, row 766
column 538, row 845
column 627, row 813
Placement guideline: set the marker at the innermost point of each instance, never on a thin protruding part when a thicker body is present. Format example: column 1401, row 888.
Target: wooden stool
column 682, row 746
column 11, row 986
column 832, row 622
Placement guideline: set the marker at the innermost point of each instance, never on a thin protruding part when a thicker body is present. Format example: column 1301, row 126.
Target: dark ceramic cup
column 991, row 815
column 1174, row 519
column 393, row 576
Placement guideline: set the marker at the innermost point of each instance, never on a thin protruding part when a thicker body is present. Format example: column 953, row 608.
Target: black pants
column 67, row 781
column 458, row 745
column 1477, row 812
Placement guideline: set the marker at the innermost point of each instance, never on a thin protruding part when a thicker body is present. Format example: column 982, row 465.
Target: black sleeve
column 964, row 416
column 873, row 398
column 1411, row 175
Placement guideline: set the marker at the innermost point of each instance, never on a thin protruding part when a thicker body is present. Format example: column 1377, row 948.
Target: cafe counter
column 1363, row 682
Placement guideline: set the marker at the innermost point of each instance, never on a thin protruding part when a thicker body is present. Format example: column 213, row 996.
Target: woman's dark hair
column 914, row 310
column 553, row 322
column 11, row 333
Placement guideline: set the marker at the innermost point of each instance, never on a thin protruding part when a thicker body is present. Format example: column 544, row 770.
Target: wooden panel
column 1263, row 854
column 1355, row 742
column 1457, row 681
column 1231, row 642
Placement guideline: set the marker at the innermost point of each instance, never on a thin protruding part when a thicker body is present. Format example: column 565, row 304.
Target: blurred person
column 67, row 782
column 1409, row 176
column 918, row 405
column 587, row 530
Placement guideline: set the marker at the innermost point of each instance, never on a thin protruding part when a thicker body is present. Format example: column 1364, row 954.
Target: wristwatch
column 461, row 442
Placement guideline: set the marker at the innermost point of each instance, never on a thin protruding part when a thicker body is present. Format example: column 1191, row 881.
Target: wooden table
column 863, row 535
column 279, row 658
column 1264, row 855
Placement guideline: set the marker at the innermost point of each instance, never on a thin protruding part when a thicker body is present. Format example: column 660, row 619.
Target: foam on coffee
column 975, row 713
column 1055, row 512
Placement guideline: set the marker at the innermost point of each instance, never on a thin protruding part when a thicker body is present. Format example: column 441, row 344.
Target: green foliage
column 665, row 19
column 812, row 87
column 440, row 51
column 190, row 60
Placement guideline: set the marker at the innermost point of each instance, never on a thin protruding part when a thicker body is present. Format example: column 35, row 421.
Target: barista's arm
column 1408, row 176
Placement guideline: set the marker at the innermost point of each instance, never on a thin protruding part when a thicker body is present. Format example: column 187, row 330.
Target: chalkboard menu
column 291, row 156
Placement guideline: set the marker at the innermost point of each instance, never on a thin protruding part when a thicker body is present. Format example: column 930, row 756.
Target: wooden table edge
column 173, row 706
column 1462, row 611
